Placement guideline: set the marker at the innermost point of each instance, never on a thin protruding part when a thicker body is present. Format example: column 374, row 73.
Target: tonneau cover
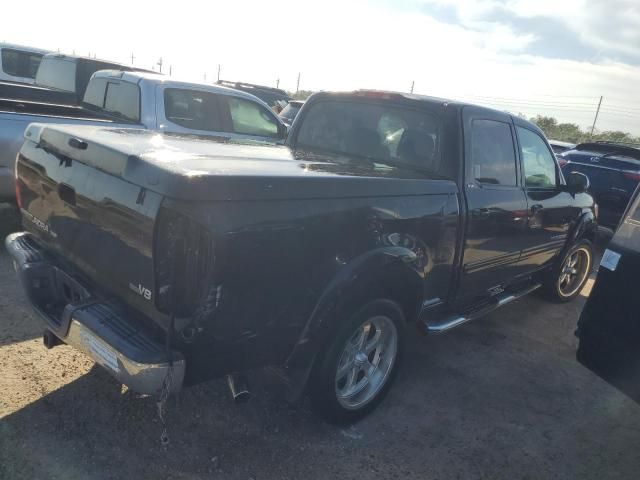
column 209, row 168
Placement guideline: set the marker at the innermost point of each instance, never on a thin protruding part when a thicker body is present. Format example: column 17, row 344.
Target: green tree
column 570, row 132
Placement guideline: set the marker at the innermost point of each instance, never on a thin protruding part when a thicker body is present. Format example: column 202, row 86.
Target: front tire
column 354, row 373
column 568, row 278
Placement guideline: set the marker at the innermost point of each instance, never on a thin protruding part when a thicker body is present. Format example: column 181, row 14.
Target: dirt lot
column 501, row 398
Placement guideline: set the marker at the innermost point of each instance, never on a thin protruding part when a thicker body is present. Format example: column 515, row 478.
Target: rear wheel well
column 397, row 284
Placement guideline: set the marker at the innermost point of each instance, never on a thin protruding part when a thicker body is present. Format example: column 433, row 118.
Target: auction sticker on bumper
column 102, row 354
column 610, row 260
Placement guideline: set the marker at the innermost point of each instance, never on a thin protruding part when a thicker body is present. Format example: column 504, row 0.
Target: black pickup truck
column 171, row 260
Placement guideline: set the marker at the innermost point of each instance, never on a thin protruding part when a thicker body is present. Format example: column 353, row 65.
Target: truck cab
column 383, row 214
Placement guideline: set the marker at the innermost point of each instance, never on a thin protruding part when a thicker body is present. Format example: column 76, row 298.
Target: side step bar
column 455, row 320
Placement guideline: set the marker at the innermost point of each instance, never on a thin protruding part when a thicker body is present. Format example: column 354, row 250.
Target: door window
column 193, row 109
column 493, row 156
column 251, row 118
column 537, row 161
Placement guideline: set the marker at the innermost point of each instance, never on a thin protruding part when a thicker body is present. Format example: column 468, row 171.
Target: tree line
column 570, row 132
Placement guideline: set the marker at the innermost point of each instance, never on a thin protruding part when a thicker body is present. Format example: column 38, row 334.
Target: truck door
column 496, row 205
column 550, row 210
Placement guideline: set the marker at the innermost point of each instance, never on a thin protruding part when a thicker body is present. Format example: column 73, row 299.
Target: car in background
column 59, row 80
column 608, row 329
column 288, row 113
column 19, row 64
column 141, row 100
column 614, row 172
column 269, row 95
column 559, row 147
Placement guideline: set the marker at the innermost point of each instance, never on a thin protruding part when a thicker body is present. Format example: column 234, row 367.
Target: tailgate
column 96, row 220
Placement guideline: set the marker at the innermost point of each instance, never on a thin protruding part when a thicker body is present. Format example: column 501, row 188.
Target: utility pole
column 132, row 58
column 160, row 64
column 298, row 83
column 413, row 82
column 170, row 68
column 278, row 83
column 219, row 72
column 593, row 127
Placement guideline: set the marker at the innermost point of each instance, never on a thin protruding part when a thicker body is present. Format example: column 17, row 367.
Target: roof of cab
column 137, row 77
column 25, row 48
column 431, row 100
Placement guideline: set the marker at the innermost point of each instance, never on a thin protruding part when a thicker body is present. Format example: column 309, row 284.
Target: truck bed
column 15, row 117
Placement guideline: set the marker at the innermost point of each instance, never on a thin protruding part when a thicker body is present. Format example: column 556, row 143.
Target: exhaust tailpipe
column 50, row 340
column 239, row 387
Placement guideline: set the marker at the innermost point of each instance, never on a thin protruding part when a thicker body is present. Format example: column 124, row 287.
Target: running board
column 455, row 320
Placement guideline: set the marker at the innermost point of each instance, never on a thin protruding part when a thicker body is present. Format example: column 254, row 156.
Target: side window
column 95, row 92
column 250, row 118
column 537, row 161
column 123, row 100
column 193, row 109
column 493, row 157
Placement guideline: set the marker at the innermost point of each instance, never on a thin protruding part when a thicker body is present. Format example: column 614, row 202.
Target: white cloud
column 340, row 45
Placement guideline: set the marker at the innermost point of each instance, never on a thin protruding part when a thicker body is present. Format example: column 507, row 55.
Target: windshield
column 383, row 133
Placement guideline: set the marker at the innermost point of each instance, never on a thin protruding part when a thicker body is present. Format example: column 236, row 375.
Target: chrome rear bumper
column 96, row 327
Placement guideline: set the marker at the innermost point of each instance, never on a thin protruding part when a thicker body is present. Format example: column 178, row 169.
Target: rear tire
column 356, row 369
column 568, row 277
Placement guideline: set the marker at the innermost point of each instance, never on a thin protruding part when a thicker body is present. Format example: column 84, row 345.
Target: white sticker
column 102, row 354
column 610, row 260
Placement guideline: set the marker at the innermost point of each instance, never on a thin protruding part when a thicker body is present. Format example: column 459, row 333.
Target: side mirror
column 578, row 182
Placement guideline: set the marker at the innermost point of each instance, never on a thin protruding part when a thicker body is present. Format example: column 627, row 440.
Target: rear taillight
column 635, row 176
column 183, row 261
column 562, row 161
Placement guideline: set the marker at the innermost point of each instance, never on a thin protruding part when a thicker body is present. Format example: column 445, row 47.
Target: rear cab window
column 115, row 97
column 20, row 63
column 385, row 133
column 58, row 73
column 493, row 156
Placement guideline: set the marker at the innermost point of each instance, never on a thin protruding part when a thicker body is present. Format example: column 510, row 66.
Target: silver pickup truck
column 141, row 100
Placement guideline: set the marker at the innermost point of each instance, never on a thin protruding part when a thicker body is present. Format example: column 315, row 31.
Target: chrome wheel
column 574, row 271
column 366, row 362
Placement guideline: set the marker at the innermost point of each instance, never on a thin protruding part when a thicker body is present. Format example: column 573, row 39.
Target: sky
column 548, row 57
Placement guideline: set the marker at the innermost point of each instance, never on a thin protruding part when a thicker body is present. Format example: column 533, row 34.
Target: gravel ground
column 500, row 398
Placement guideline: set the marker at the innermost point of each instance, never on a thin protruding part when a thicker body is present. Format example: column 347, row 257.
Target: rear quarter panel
column 276, row 259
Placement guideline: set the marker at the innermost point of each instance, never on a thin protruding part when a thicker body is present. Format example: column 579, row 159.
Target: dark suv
column 613, row 170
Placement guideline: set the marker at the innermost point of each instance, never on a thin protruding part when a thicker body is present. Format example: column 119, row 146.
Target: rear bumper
column 96, row 327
